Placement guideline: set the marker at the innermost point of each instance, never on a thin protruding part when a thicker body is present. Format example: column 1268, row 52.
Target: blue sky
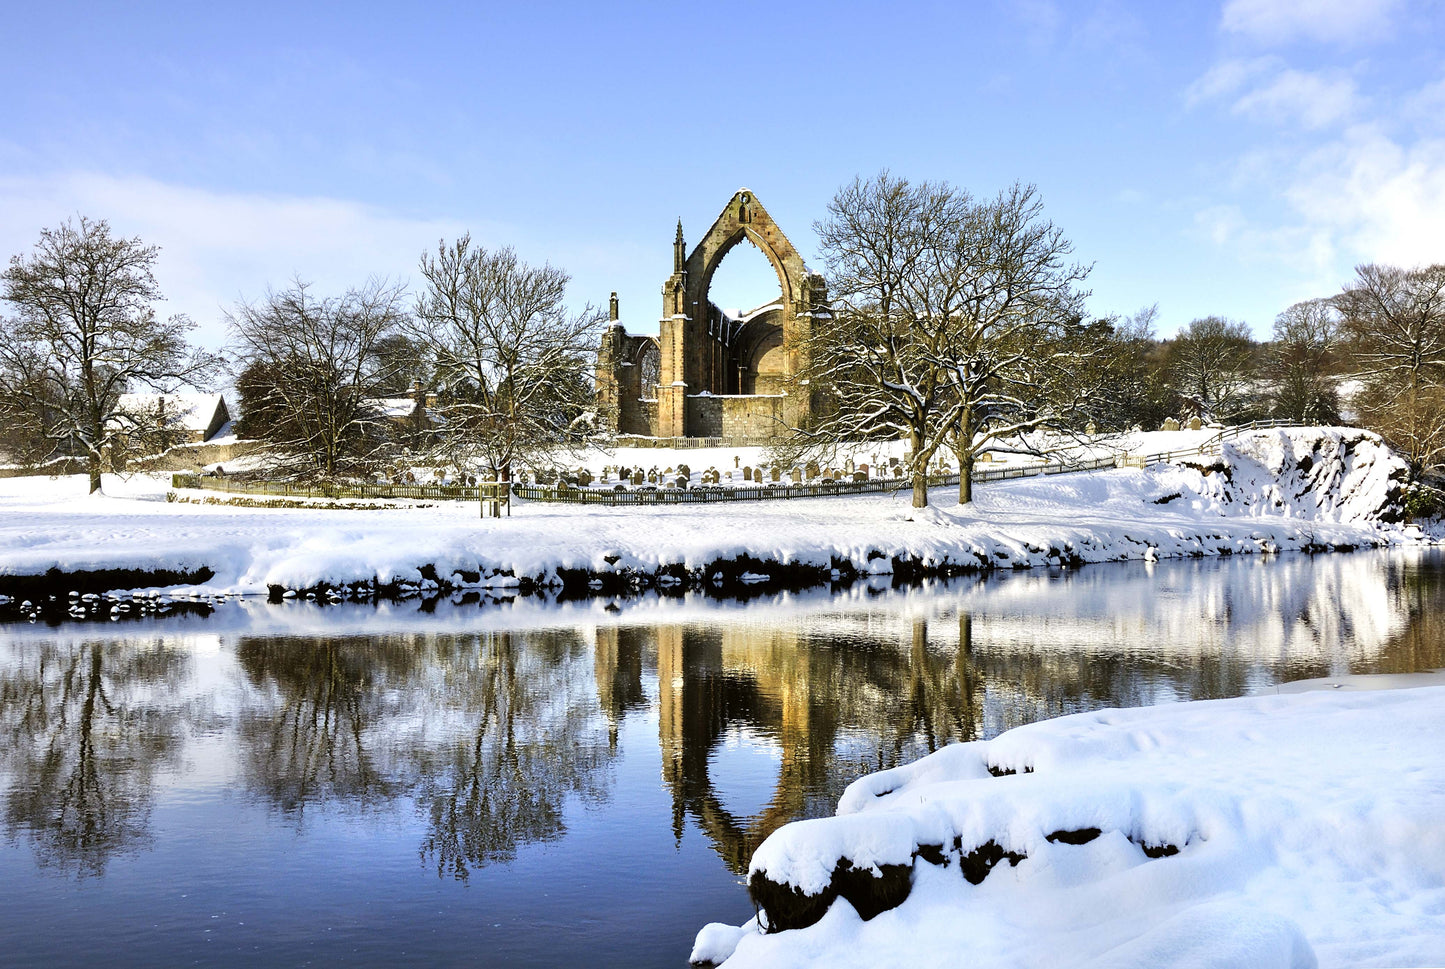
column 1224, row 157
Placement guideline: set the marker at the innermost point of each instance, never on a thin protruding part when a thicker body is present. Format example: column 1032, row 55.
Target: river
column 528, row 782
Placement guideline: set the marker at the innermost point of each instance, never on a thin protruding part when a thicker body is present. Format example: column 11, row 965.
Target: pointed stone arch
column 699, row 345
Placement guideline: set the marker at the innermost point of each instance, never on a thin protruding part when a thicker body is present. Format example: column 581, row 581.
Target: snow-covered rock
column 1283, row 830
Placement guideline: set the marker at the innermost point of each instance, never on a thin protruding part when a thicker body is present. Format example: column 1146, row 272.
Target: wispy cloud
column 1383, row 200
column 1310, row 100
column 1264, row 89
column 218, row 247
column 1328, row 21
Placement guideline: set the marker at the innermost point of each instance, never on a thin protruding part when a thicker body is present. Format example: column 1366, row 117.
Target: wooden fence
column 496, row 496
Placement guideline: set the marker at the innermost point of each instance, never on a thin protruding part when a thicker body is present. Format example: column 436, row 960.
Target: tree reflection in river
column 489, row 733
column 312, row 737
column 87, row 725
column 529, row 738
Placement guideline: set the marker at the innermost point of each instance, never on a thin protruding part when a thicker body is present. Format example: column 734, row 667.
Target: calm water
column 545, row 784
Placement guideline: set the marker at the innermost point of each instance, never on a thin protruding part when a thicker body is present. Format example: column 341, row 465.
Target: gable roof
column 191, row 411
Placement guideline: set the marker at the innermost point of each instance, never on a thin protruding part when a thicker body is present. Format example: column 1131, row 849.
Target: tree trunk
column 92, row 464
column 965, row 479
column 920, row 474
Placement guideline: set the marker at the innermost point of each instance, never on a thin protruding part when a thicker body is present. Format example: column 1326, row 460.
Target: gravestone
column 1170, row 424
column 1195, row 423
column 797, row 475
column 747, row 474
column 777, row 474
column 637, row 477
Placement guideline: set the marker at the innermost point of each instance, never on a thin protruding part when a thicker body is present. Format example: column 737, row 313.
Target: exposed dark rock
column 977, row 863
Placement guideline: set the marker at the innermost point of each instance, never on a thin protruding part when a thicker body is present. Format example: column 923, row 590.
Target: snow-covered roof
column 192, row 411
column 394, row 406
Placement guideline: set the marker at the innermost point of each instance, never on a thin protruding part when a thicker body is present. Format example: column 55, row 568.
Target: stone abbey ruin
column 709, row 373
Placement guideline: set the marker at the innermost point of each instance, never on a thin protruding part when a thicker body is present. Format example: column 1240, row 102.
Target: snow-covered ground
column 1288, row 830
column 1274, row 490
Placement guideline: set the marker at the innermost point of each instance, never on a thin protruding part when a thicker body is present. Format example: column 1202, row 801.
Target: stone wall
column 745, row 417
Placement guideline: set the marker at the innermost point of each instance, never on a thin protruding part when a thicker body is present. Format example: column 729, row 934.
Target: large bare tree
column 1303, row 362
column 1394, row 322
column 511, row 358
column 1212, row 365
column 958, row 322
column 85, row 332
column 312, row 370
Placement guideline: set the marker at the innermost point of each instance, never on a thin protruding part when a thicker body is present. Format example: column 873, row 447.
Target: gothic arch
column 699, row 356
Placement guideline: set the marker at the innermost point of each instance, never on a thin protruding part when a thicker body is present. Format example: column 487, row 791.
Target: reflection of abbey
column 709, row 373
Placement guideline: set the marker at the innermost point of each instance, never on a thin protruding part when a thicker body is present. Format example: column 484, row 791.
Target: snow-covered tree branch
column 958, row 322
column 84, row 333
column 511, row 359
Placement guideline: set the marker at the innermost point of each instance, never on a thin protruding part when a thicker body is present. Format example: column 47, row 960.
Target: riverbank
column 1304, row 489
column 1283, row 831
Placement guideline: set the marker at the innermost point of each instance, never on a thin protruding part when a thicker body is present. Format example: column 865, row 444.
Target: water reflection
column 488, row 734
column 803, row 691
column 87, row 728
column 310, row 734
column 530, row 739
column 475, row 732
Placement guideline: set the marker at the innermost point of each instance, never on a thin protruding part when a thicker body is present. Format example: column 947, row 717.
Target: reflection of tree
column 491, row 734
column 85, row 733
column 312, row 745
column 533, row 738
column 1420, row 643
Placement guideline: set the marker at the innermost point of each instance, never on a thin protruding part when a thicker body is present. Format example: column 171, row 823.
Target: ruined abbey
column 709, row 373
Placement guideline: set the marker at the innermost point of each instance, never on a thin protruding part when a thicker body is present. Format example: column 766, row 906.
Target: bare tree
column 84, row 333
column 1303, row 361
column 312, row 372
column 1394, row 322
column 512, row 359
column 957, row 324
column 1212, row 365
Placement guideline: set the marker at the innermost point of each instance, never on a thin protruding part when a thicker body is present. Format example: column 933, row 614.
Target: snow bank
column 1288, row 831
column 1258, row 497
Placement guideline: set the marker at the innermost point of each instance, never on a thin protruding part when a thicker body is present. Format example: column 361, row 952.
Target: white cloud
column 219, row 247
column 1379, row 199
column 1310, row 100
column 1263, row 89
column 1329, row 21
